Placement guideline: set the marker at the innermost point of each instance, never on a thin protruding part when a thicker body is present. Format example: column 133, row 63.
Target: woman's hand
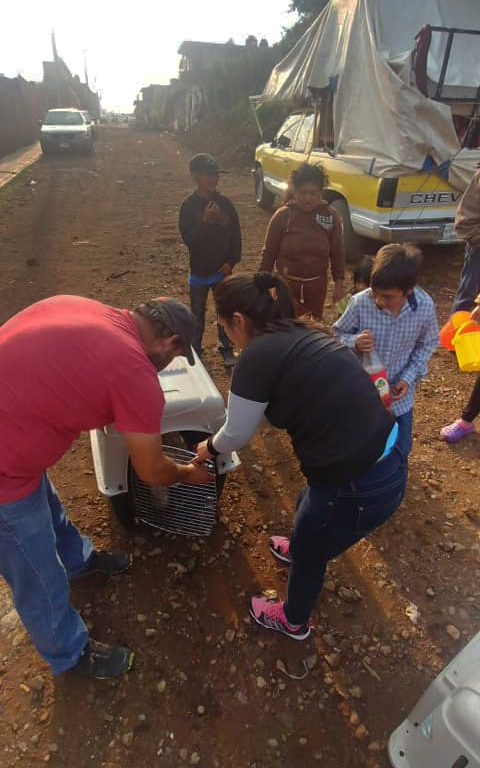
column 202, row 453
column 197, row 473
column 338, row 291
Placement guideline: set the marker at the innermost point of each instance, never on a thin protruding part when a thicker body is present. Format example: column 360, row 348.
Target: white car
column 66, row 130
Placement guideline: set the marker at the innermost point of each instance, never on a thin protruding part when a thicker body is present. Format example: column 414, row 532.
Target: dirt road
column 209, row 688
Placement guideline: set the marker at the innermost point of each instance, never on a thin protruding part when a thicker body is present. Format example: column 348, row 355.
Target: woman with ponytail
column 305, row 382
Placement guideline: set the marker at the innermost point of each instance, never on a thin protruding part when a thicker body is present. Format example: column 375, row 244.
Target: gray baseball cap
column 204, row 163
column 178, row 318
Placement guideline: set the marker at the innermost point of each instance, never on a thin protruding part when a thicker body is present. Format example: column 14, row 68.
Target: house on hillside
column 195, row 93
column 182, row 103
column 198, row 58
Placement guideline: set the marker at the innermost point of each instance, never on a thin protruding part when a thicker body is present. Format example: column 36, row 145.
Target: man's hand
column 476, row 314
column 155, row 468
column 196, row 474
column 400, row 389
column 365, row 341
column 338, row 291
column 211, row 214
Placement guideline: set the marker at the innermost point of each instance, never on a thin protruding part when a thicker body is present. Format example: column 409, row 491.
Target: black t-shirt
column 317, row 390
column 210, row 245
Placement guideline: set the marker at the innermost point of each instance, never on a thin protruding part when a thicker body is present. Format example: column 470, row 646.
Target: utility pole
column 57, row 74
column 54, row 46
column 85, row 64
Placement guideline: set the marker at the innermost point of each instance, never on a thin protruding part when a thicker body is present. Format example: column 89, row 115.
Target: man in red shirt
column 69, row 364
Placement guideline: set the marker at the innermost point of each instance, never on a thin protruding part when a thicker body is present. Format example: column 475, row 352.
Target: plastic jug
column 466, row 343
column 448, row 331
column 378, row 374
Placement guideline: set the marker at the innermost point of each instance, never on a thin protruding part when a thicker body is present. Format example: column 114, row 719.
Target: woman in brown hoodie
column 303, row 237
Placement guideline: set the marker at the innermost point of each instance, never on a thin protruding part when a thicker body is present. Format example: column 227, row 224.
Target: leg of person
column 328, row 522
column 405, row 425
column 31, row 566
column 472, row 408
column 308, row 527
column 297, row 296
column 77, row 552
column 225, row 346
column 469, row 285
column 223, row 339
column 314, row 293
column 356, row 511
column 198, row 304
column 463, row 426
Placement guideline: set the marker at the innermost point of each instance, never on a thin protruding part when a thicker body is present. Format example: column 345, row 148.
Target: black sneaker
column 228, row 357
column 103, row 662
column 106, row 563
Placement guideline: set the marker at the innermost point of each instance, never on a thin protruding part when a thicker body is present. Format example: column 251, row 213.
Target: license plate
column 64, row 145
column 449, row 232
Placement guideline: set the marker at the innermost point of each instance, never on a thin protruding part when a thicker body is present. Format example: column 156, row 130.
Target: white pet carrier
column 194, row 409
column 443, row 729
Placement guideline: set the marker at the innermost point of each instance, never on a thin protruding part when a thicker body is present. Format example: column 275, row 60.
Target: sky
column 126, row 50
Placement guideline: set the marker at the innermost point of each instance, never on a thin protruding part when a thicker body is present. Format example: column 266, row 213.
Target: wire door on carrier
column 183, row 509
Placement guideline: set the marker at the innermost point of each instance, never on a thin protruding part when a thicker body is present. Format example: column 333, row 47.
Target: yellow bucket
column 466, row 343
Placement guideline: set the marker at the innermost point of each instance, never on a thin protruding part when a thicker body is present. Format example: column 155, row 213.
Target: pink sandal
column 454, row 432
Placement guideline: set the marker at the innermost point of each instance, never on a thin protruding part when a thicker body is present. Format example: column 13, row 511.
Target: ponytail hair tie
column 264, row 281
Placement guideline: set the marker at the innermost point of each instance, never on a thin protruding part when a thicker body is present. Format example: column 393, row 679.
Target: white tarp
column 379, row 113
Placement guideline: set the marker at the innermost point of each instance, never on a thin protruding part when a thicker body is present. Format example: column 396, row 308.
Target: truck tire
column 355, row 245
column 263, row 196
column 122, row 504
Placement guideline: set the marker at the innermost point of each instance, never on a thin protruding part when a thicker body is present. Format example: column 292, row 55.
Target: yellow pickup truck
column 417, row 208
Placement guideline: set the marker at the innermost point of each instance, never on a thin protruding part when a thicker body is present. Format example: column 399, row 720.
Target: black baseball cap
column 204, row 163
column 178, row 318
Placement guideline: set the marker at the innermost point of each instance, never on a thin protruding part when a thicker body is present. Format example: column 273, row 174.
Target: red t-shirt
column 67, row 365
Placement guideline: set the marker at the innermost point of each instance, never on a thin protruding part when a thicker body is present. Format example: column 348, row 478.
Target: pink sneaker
column 270, row 614
column 280, row 547
column 454, row 432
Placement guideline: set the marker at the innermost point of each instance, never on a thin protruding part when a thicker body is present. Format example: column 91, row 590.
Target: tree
column 309, row 8
column 307, row 11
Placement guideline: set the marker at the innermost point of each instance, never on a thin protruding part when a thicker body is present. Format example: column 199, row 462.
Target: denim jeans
column 39, row 550
column 198, row 304
column 405, row 425
column 329, row 520
column 469, row 285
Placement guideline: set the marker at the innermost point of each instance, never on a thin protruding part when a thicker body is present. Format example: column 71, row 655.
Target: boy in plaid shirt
column 397, row 319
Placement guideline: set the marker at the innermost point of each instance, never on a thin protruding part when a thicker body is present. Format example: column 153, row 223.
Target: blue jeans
column 405, row 425
column 330, row 520
column 39, row 550
column 198, row 304
column 469, row 285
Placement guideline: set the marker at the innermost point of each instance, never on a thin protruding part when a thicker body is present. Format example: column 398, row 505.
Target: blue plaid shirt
column 404, row 343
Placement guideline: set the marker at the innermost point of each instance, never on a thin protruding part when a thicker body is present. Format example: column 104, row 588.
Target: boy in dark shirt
column 210, row 228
